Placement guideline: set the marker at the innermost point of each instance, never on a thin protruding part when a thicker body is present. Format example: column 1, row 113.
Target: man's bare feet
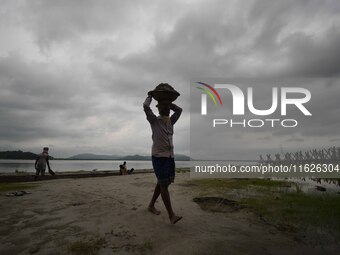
column 174, row 219
column 153, row 210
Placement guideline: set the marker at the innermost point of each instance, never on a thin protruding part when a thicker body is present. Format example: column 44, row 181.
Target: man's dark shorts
column 164, row 169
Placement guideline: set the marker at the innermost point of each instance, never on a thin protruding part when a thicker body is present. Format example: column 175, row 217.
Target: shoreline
column 30, row 176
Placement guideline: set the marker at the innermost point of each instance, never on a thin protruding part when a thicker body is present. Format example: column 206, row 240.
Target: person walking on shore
column 41, row 162
column 162, row 152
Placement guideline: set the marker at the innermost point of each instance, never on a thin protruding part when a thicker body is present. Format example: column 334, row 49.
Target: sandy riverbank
column 109, row 215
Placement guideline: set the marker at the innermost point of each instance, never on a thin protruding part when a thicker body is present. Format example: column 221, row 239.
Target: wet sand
column 112, row 209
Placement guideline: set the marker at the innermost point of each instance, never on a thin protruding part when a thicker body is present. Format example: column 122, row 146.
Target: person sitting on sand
column 123, row 169
column 41, row 162
column 162, row 152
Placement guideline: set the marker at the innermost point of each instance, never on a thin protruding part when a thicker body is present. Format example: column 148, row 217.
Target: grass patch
column 4, row 187
column 145, row 247
column 182, row 170
column 86, row 247
column 237, row 183
column 298, row 210
column 312, row 216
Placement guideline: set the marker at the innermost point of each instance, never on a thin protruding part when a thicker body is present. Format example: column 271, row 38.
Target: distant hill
column 18, row 155
column 90, row 156
column 136, row 157
column 182, row 157
column 93, row 156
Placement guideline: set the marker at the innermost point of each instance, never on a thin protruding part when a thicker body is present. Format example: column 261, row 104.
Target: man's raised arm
column 150, row 116
column 177, row 113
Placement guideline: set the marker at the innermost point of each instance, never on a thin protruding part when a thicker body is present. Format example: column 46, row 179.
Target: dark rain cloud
column 74, row 74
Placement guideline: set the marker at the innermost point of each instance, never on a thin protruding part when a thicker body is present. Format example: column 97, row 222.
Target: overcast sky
column 74, row 74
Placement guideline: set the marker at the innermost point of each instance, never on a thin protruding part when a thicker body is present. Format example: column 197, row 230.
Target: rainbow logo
column 208, row 90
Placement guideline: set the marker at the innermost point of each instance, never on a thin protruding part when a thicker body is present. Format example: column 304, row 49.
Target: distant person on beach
column 123, row 169
column 41, row 162
column 162, row 152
